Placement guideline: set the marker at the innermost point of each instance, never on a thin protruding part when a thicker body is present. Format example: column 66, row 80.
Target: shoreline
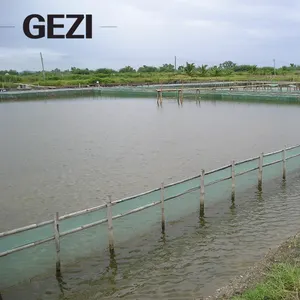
column 287, row 251
column 215, row 91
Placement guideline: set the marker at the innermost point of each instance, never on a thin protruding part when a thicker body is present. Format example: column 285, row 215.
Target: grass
column 69, row 79
column 282, row 282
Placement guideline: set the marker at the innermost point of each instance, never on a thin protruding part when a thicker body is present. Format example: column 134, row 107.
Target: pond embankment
column 276, row 274
column 236, row 91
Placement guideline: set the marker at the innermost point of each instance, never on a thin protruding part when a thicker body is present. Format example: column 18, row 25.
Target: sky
column 153, row 32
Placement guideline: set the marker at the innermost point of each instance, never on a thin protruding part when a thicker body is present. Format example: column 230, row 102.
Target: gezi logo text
column 36, row 26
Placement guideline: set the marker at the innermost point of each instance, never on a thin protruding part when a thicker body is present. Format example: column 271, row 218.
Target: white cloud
column 153, row 31
column 27, row 57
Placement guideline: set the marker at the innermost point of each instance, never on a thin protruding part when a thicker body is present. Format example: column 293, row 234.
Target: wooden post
column 57, row 242
column 284, row 163
column 198, row 94
column 181, row 96
column 233, row 180
column 110, row 226
column 260, row 170
column 163, row 221
column 202, row 193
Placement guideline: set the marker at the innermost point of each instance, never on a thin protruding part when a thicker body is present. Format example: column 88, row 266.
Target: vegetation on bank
column 227, row 71
column 282, row 282
column 276, row 276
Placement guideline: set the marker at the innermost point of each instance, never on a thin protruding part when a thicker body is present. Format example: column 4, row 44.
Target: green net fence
column 215, row 90
column 20, row 249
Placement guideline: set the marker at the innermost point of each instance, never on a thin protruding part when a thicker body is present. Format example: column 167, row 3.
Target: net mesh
column 216, row 90
column 181, row 200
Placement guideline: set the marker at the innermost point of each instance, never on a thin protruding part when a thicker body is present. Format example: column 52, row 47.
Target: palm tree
column 215, row 71
column 189, row 68
column 253, row 69
column 203, row 70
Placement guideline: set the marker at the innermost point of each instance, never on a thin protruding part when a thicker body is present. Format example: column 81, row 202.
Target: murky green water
column 68, row 155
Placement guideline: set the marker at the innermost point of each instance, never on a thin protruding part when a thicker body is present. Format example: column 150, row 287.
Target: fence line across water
column 200, row 184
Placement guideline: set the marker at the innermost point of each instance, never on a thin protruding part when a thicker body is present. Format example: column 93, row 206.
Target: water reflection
column 259, row 193
column 202, row 221
column 179, row 103
column 80, row 136
column 233, row 206
column 62, row 285
column 112, row 268
column 163, row 238
column 201, row 216
column 198, row 103
column 283, row 185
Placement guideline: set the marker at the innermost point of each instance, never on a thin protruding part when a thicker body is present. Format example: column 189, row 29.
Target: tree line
column 190, row 69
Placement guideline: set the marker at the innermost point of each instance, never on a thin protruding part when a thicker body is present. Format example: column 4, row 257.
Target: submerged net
column 181, row 200
column 209, row 90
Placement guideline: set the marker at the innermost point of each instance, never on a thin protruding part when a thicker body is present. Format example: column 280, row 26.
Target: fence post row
column 284, row 163
column 56, row 224
column 57, row 241
column 163, row 221
column 110, row 226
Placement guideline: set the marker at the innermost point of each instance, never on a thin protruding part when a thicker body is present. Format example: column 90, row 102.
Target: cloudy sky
column 152, row 32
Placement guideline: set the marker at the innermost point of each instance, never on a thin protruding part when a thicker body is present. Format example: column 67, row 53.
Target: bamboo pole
column 160, row 96
column 138, row 209
column 247, row 171
column 57, row 241
column 33, row 244
column 293, row 156
column 163, row 221
column 82, row 212
column 181, row 96
column 218, row 180
column 260, row 170
column 273, row 162
column 272, row 153
column 110, row 226
column 233, row 180
column 202, row 193
column 284, row 163
column 216, row 170
column 83, row 227
column 25, row 228
column 198, row 95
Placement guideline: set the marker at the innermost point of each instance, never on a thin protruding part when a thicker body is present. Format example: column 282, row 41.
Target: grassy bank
column 281, row 278
column 84, row 80
column 227, row 71
column 275, row 277
column 282, row 282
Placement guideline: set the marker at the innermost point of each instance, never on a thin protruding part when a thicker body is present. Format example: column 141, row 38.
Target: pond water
column 67, row 155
